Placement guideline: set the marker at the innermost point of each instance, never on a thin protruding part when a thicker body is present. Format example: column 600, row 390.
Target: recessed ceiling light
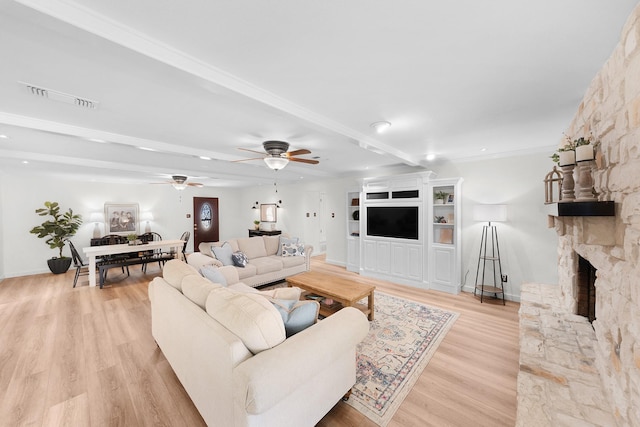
column 205, row 157
column 101, row 141
column 24, row 162
column 483, row 149
column 431, row 157
column 146, row 149
column 381, row 126
column 4, row 137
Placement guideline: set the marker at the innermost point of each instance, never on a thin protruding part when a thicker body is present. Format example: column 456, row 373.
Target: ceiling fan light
column 276, row 163
column 179, row 186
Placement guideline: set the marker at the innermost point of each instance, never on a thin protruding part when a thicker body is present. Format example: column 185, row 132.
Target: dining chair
column 154, row 254
column 114, row 239
column 82, row 267
column 185, row 236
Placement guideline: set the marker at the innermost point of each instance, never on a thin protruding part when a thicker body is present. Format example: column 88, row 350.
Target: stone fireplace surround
column 573, row 373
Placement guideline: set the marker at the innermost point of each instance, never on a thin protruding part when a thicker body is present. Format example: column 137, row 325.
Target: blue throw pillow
column 293, row 249
column 239, row 259
column 297, row 315
column 223, row 253
column 212, row 273
column 285, row 241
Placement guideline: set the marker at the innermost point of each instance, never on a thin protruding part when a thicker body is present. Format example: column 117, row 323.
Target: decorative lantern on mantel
column 552, row 179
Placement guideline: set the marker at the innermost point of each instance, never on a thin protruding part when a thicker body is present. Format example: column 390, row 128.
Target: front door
column 205, row 220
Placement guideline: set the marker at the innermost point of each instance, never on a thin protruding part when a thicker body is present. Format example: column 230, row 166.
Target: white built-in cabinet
column 428, row 253
column 444, row 238
column 353, row 230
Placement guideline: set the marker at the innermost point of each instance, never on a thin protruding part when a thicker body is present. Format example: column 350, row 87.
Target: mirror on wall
column 268, row 213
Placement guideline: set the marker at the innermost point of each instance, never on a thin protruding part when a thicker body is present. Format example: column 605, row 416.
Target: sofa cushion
column 213, row 274
column 296, row 315
column 271, row 244
column 249, row 270
column 197, row 289
column 291, row 261
column 292, row 249
column 253, row 247
column 239, row 259
column 285, row 240
column 223, row 253
column 267, row 264
column 252, row 318
column 175, row 271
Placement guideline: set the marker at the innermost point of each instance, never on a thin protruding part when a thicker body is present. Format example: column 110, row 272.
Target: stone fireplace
column 573, row 372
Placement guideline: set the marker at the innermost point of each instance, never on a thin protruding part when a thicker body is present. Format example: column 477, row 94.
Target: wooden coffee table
column 344, row 291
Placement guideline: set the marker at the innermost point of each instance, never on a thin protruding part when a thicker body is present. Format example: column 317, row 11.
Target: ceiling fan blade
column 252, row 151
column 246, row 160
column 297, row 152
column 309, row 161
column 195, row 184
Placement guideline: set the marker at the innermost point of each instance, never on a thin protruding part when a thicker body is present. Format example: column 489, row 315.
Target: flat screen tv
column 400, row 222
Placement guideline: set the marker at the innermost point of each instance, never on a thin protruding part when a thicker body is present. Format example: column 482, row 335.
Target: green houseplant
column 440, row 196
column 256, row 224
column 55, row 230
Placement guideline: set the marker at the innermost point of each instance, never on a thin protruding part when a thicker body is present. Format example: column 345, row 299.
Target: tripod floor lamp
column 490, row 282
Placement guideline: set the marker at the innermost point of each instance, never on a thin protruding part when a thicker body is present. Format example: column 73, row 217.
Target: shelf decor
column 578, row 152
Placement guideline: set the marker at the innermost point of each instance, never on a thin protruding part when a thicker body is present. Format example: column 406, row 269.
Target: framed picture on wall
column 121, row 218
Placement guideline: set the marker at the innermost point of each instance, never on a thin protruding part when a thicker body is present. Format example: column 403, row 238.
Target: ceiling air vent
column 60, row 96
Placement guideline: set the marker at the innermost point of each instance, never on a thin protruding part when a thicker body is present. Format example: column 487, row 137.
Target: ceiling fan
column 277, row 156
column 179, row 182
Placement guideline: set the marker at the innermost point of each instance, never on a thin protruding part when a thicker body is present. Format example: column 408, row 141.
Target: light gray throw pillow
column 223, row 253
column 296, row 315
column 212, row 273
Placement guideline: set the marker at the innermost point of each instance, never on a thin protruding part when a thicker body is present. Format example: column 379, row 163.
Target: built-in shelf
column 581, row 209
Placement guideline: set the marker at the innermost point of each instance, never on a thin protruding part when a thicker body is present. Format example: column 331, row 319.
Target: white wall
column 528, row 248
column 26, row 254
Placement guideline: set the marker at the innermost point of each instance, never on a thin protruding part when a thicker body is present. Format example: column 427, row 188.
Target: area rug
column 402, row 338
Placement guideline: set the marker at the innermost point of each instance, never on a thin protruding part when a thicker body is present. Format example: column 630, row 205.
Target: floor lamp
column 489, row 250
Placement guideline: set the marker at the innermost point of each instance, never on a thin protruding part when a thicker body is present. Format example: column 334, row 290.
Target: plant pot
column 59, row 265
column 439, row 202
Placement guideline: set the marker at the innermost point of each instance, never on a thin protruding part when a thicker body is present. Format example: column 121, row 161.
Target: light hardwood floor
column 85, row 357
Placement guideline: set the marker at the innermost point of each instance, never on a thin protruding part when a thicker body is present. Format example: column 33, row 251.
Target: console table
column 253, row 233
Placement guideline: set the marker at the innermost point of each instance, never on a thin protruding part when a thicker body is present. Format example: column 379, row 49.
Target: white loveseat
column 265, row 264
column 229, row 351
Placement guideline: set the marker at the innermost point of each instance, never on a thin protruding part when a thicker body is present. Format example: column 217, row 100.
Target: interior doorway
column 206, row 226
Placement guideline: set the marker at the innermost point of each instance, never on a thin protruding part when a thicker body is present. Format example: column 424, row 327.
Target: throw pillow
column 239, row 259
column 213, row 274
column 296, row 315
column 293, row 249
column 223, row 253
column 285, row 240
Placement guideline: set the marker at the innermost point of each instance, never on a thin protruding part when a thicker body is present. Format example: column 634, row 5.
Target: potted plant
column 571, row 151
column 59, row 227
column 440, row 197
column 132, row 238
column 256, row 224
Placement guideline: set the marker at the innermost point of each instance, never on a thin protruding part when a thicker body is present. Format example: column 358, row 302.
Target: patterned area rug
column 401, row 341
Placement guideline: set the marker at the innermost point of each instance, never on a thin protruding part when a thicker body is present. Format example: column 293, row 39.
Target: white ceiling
column 193, row 78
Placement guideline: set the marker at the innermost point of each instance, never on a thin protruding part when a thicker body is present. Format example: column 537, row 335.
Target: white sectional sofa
column 229, row 351
column 265, row 264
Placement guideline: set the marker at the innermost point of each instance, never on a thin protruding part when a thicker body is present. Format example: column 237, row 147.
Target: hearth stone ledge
column 558, row 382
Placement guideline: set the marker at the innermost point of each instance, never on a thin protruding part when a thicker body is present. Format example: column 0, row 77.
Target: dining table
column 94, row 252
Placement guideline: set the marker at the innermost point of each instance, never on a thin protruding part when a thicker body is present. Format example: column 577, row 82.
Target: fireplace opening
column 586, row 286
